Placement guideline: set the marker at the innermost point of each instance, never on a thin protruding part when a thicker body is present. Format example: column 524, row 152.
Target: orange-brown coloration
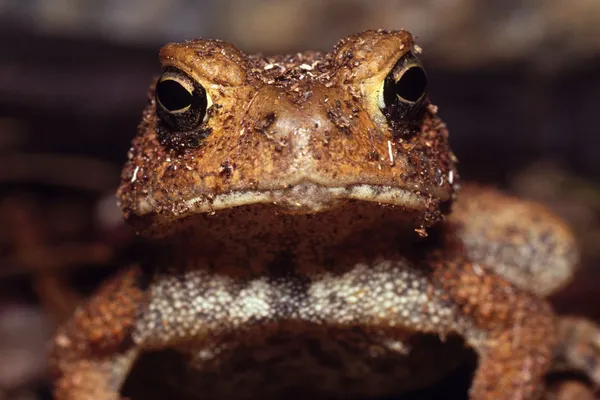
column 270, row 134
column 293, row 221
column 106, row 321
column 510, row 356
column 100, row 329
column 491, row 227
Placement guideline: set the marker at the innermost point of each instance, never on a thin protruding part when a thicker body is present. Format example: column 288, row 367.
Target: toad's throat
column 255, row 238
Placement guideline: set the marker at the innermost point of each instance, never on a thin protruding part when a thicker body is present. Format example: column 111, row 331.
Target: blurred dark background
column 518, row 83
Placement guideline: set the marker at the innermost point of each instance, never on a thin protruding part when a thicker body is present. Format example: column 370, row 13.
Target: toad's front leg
column 513, row 331
column 530, row 247
column 92, row 353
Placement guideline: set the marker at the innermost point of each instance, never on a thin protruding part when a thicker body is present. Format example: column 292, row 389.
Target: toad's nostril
column 264, row 123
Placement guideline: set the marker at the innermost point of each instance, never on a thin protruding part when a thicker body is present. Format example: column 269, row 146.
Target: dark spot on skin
column 352, row 106
column 333, row 298
column 226, row 169
column 336, row 116
column 347, row 56
column 205, row 52
column 373, row 156
column 194, row 141
column 263, row 124
column 214, row 109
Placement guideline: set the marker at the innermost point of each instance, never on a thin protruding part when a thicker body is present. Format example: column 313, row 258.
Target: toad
column 310, row 241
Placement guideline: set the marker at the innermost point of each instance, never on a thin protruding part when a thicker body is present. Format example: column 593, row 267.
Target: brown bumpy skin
column 305, row 246
column 519, row 328
column 518, row 239
column 91, row 352
column 531, row 248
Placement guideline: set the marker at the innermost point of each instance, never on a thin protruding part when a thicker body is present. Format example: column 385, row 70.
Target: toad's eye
column 411, row 86
column 181, row 103
column 173, row 96
column 404, row 89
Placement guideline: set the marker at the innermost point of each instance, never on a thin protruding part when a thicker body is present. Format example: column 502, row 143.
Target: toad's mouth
column 309, row 198
column 288, row 204
column 304, row 197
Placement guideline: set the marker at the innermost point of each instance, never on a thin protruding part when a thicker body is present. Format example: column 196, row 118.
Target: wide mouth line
column 309, row 196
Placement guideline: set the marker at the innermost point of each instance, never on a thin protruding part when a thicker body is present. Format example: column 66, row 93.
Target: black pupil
column 172, row 95
column 412, row 84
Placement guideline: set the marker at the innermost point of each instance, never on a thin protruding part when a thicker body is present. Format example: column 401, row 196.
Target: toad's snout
column 291, row 118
